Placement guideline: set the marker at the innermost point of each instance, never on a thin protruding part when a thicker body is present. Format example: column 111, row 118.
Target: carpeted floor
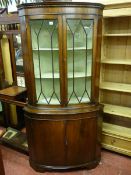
column 16, row 163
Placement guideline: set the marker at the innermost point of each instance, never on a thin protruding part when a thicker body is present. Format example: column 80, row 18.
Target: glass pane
column 45, row 48
column 18, row 53
column 79, row 60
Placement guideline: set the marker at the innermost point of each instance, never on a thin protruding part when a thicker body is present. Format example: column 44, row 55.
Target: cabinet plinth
column 61, row 49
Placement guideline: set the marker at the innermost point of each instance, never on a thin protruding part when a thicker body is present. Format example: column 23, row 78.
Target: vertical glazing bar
column 52, row 59
column 38, row 52
column 73, row 64
column 86, row 63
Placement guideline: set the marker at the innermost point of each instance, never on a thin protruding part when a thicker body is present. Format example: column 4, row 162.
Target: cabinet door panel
column 61, row 142
column 79, row 59
column 81, row 140
column 47, row 138
column 45, row 47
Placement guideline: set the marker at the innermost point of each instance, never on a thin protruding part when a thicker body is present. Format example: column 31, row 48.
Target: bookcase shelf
column 117, row 34
column 121, row 87
column 115, row 140
column 115, row 85
column 116, row 61
column 116, row 130
column 117, row 110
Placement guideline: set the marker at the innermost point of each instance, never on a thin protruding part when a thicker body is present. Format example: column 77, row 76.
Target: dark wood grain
column 64, row 142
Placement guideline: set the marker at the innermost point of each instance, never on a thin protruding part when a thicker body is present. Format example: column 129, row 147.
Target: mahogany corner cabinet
column 61, row 44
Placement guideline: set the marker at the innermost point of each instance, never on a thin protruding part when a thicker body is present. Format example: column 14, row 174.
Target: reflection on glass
column 45, row 48
column 79, row 60
column 18, row 53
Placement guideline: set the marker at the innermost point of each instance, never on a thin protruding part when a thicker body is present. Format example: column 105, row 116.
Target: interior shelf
column 49, row 49
column 116, row 130
column 84, row 100
column 78, row 74
column 57, row 75
column 121, row 87
column 44, row 49
column 117, row 34
column 48, row 75
column 117, row 110
column 72, row 101
column 53, row 101
column 116, row 61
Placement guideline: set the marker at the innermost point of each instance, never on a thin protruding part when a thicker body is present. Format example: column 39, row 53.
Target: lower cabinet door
column 71, row 141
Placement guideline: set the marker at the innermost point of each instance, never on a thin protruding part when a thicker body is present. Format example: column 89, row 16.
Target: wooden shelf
column 117, row 34
column 116, row 87
column 12, row 91
column 117, row 130
column 13, row 94
column 116, row 61
column 116, row 138
column 117, row 110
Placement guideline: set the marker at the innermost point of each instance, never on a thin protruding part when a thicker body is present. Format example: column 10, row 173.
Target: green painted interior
column 79, row 37
column 45, row 48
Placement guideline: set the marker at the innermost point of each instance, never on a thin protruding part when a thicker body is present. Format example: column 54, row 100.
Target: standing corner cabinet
column 61, row 44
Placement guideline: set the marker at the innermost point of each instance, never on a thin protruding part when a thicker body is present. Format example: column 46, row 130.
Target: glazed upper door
column 79, row 31
column 64, row 59
column 46, row 58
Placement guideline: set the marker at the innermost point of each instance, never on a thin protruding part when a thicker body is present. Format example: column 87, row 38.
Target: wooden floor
column 16, row 163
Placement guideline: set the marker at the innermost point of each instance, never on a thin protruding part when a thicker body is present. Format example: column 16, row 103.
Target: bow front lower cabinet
column 61, row 44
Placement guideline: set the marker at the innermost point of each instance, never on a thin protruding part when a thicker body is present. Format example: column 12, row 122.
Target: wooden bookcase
column 115, row 85
column 61, row 44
